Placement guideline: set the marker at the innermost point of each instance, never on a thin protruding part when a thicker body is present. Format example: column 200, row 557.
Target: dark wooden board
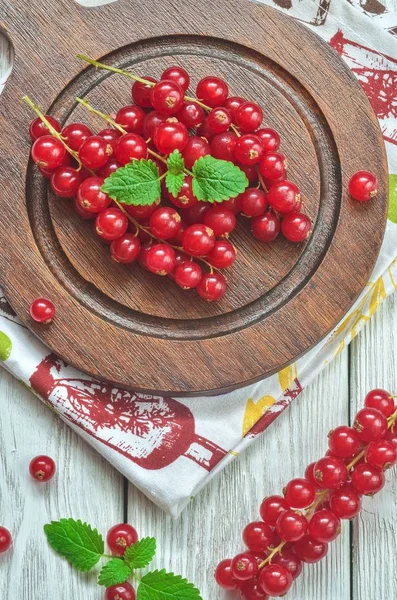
column 140, row 331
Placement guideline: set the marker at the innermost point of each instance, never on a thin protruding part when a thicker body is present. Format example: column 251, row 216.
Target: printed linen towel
column 171, row 448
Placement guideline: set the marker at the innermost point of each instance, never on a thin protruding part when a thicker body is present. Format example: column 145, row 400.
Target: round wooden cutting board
column 122, row 324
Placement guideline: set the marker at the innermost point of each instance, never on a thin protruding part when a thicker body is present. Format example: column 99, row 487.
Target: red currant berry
column 220, row 220
column 131, row 118
column 345, row 503
column 198, row 240
column 119, row 537
column 165, row 223
column 167, row 97
column 205, row 131
column 234, row 205
column 381, row 400
column 253, row 202
column 75, row 134
column 330, row 473
column 123, row 591
column 233, row 103
column 180, row 258
column 299, row 493
column 94, row 152
column 222, row 255
column 141, row 213
column 42, row 310
column 188, row 275
column 48, row 173
column 223, row 575
column 250, row 172
column 190, row 114
column 170, row 135
column 178, row 75
column 223, row 144
column 248, row 149
column 290, row 561
column 160, row 259
column 185, row 198
column 212, row 287
column 367, row 480
column 65, row 182
column 5, row 539
column 110, row 136
column 125, row 249
column 309, row 474
column 48, row 152
column 363, row 186
column 219, row 120
column 370, row 425
column 270, row 139
column 244, row 567
column 196, row 213
column 343, row 442
column 111, row 166
column 291, row 526
column 194, row 149
column 38, row 128
column 84, row 214
column 273, row 165
column 213, row 91
column 296, row 227
column 381, row 454
column 284, row 197
column 324, row 526
column 42, row 468
column 90, row 197
column 111, row 224
column 266, row 228
column 130, row 147
column 271, row 508
column 391, row 436
column 141, row 92
column 151, row 121
column 258, row 536
column 275, row 580
column 310, row 550
column 250, row 590
column 248, row 116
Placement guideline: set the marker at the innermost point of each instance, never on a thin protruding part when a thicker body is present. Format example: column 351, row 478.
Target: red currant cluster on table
column 297, row 527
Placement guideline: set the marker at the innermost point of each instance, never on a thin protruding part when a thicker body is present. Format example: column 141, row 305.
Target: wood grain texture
column 282, row 299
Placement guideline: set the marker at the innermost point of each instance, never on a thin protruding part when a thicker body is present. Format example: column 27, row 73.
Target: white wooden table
column 361, row 565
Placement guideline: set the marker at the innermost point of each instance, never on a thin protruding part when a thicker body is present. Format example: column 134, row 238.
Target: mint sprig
column 140, row 554
column 116, row 571
column 217, row 180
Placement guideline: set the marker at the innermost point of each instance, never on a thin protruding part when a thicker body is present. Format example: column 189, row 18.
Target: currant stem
column 261, row 181
column 103, row 116
column 273, row 553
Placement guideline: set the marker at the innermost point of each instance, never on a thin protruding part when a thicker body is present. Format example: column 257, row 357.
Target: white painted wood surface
column 361, row 565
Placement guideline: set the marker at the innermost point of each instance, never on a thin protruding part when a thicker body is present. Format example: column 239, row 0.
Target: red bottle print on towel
column 150, row 430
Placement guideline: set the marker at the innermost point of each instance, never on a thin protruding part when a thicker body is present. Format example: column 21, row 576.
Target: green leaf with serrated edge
column 175, row 162
column 392, row 214
column 174, row 182
column 116, row 571
column 137, row 183
column 217, row 180
column 140, row 554
column 78, row 542
column 159, row 585
column 5, row 346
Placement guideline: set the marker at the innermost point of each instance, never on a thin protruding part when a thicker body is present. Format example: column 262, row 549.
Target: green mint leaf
column 159, row 585
column 137, row 183
column 140, row 554
column 174, row 182
column 175, row 163
column 78, row 542
column 5, row 346
column 217, row 180
column 393, row 198
column 116, row 571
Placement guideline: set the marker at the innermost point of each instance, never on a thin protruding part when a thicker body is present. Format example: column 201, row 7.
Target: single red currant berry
column 244, row 567
column 178, row 75
column 165, row 223
column 381, row 454
column 194, row 149
column 367, row 480
column 84, row 214
column 219, row 120
column 345, row 503
column 310, row 550
column 141, row 92
column 38, row 128
column 185, row 198
column 253, row 202
column 363, row 186
column 233, row 103
column 167, row 97
column 296, row 227
column 110, row 136
column 223, row 144
column 257, row 536
column 370, row 425
column 188, row 275
column 220, row 220
column 309, row 474
column 5, row 539
column 125, row 249
column 111, row 166
column 381, row 400
column 271, row 508
column 42, row 468
column 290, row 561
column 141, row 213
column 284, row 197
column 324, row 526
column 131, row 118
column 160, row 259
column 196, row 213
column 330, row 472
column 212, row 287
column 212, row 91
column 248, row 149
column 270, row 139
column 190, row 114
column 248, row 116
column 223, row 575
column 234, row 205
column 90, row 197
column 130, row 147
column 123, row 591
column 119, row 537
column 391, row 436
column 299, row 493
column 65, row 182
column 222, row 255
column 273, row 165
column 198, row 240
column 48, row 152
column 291, row 526
column 111, row 224
column 275, row 580
column 42, row 310
column 150, row 123
column 343, row 442
column 94, row 152
column 170, row 135
column 266, row 228
column 250, row 590
column 75, row 134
